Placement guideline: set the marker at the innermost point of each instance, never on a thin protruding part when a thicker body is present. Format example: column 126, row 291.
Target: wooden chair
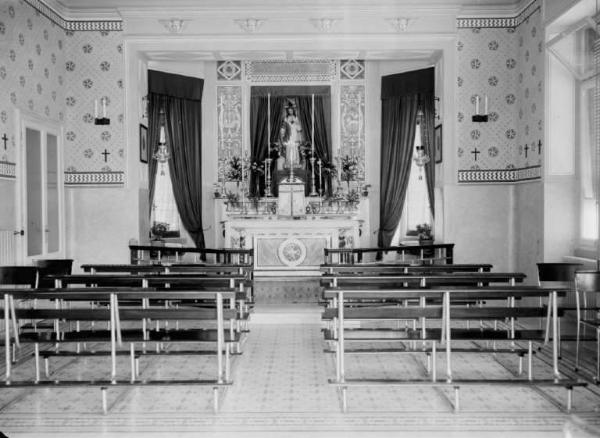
column 52, row 267
column 587, row 282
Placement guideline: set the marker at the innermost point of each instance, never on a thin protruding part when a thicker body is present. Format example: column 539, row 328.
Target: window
column 588, row 226
column 416, row 208
column 164, row 208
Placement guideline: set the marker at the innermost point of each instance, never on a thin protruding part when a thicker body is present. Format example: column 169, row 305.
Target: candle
column 312, row 133
column 477, row 105
column 162, row 135
column 269, row 124
column 96, row 108
column 320, row 175
column 103, row 108
column 485, row 105
column 266, row 173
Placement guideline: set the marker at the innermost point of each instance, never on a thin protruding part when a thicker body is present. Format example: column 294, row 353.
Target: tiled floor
column 280, row 389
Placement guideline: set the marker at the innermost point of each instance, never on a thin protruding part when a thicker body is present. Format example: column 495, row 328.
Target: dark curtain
column 398, row 125
column 153, row 138
column 322, row 130
column 258, row 134
column 180, row 99
column 427, row 133
column 402, row 95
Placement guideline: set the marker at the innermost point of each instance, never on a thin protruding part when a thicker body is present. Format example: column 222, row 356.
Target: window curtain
column 427, row 105
column 402, row 95
column 259, row 121
column 180, row 97
column 153, row 138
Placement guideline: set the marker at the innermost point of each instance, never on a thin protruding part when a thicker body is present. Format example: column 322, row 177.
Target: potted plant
column 424, row 233
column 365, row 190
column 159, row 230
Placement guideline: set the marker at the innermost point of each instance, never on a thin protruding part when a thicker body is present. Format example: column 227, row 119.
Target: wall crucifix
column 106, row 154
column 4, row 139
column 475, row 152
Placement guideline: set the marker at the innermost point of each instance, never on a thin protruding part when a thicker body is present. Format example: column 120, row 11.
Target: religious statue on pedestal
column 291, row 138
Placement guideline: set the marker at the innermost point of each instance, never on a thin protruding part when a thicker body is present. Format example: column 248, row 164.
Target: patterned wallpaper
column 93, row 69
column 30, row 73
column 506, row 64
column 57, row 74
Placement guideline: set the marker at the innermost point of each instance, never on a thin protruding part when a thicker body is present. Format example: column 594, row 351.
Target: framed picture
column 437, row 143
column 143, row 144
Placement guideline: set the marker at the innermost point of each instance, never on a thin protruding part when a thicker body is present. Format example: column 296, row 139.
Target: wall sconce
column 478, row 117
column 100, row 120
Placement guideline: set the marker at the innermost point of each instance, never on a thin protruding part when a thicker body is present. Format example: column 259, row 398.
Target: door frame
column 26, row 119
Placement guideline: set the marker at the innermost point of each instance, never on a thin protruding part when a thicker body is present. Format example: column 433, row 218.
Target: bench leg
column 216, row 399
column 36, row 349
column 569, row 398
column 530, row 360
column 14, row 353
column 132, row 360
column 104, row 401
column 428, row 369
column 227, row 364
column 47, row 366
column 520, row 364
column 137, row 366
column 433, row 361
column 456, row 399
column 344, row 399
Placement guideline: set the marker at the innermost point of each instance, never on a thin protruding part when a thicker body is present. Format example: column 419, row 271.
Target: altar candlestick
column 103, row 108
column 320, row 175
column 312, row 132
column 477, row 105
column 162, row 135
column 95, row 108
column 485, row 105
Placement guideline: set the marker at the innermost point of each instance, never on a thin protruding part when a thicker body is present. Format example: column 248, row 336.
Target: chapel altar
column 287, row 194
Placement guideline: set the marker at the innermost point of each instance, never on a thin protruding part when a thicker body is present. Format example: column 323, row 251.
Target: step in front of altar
column 290, row 290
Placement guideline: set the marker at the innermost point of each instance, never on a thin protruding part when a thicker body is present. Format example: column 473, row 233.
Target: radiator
column 8, row 246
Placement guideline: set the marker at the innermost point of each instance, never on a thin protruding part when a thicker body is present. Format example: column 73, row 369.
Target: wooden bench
column 115, row 336
column 437, row 252
column 446, row 334
column 140, row 254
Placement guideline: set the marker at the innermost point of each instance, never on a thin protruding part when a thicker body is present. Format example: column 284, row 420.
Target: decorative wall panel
column 72, row 25
column 94, row 70
column 352, row 125
column 229, row 70
column 291, row 71
column 500, row 63
column 31, row 73
column 229, row 114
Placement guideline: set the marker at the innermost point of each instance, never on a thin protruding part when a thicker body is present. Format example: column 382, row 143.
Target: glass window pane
column 34, row 192
column 52, row 193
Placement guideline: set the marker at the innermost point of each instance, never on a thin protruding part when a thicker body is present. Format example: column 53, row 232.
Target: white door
column 41, row 192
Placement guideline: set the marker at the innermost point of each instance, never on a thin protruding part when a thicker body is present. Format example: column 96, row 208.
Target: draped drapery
column 259, row 115
column 179, row 97
column 322, row 130
column 153, row 138
column 427, row 105
column 398, row 126
column 402, row 96
column 258, row 133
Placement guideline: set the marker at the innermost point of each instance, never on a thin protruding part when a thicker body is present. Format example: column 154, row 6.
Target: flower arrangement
column 233, row 199
column 159, row 229
column 234, row 169
column 257, row 168
column 329, row 169
column 424, row 231
column 353, row 196
column 349, row 167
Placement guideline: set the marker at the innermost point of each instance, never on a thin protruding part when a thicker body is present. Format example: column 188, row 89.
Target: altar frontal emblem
column 292, row 252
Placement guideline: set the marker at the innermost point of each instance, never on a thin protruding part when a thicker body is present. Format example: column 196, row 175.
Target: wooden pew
column 427, row 253
column 114, row 335
column 447, row 334
column 401, row 268
column 140, row 254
